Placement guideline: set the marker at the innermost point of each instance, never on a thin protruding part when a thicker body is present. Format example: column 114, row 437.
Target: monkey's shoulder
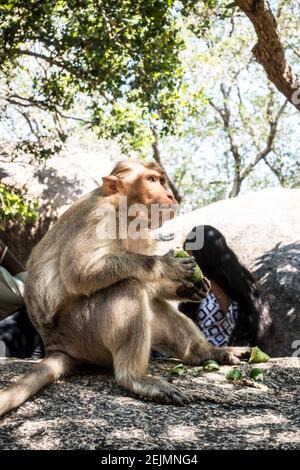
column 84, row 211
column 85, row 204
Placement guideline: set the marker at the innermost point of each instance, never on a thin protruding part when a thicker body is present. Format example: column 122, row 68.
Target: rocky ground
column 88, row 411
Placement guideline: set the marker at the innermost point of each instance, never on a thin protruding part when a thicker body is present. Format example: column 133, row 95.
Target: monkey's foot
column 157, row 390
column 230, row 355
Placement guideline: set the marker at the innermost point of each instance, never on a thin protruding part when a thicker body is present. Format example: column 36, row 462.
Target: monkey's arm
column 86, row 270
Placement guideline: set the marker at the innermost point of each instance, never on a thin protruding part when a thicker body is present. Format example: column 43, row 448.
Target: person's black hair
column 220, row 264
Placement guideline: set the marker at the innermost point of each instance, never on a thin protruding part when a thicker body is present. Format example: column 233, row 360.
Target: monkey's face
column 149, row 188
column 153, row 189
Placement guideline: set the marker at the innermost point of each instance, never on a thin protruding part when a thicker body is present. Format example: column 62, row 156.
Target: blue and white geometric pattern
column 216, row 325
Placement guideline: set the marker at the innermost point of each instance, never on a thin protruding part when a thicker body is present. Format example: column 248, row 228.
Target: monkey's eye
column 151, row 178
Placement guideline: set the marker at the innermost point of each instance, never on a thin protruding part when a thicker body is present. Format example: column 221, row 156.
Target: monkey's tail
column 44, row 373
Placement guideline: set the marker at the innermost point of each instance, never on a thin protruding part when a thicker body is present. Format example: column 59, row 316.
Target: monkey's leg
column 130, row 340
column 177, row 335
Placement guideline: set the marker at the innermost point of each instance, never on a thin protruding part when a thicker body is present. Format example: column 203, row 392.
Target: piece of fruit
column 258, row 356
column 211, row 366
column 197, row 275
column 234, row 374
column 179, row 370
column 257, row 374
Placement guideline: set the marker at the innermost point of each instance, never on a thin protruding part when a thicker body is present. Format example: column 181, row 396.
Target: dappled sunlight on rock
column 89, row 411
column 182, row 433
column 128, row 434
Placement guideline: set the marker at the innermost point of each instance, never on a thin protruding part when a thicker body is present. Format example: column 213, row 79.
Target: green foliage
column 202, row 15
column 134, row 68
column 112, row 52
column 201, row 159
column 16, row 207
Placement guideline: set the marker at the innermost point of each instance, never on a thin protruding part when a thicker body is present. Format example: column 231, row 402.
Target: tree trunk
column 157, row 158
column 236, row 187
column 269, row 51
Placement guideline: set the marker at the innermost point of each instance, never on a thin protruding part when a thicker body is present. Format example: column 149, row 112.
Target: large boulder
column 263, row 228
column 88, row 411
column 56, row 185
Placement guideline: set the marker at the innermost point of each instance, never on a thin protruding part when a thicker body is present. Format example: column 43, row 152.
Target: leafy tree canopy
column 138, row 71
column 120, row 55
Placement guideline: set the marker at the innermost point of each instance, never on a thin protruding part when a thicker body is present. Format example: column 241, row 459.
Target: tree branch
column 29, row 102
column 225, row 113
column 38, row 55
column 157, row 158
column 269, row 51
column 276, row 171
column 273, row 122
column 249, row 129
column 35, row 132
column 226, row 117
column 62, row 64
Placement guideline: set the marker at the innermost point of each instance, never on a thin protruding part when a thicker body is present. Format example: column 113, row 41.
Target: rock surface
column 56, row 185
column 88, row 411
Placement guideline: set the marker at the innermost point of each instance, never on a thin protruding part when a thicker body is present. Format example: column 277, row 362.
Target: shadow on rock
column 57, row 192
column 278, row 271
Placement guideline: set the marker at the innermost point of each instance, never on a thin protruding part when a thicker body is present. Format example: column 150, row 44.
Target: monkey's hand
column 178, row 269
column 189, row 292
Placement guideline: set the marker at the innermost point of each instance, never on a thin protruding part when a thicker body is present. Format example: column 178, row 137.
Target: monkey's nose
column 171, row 197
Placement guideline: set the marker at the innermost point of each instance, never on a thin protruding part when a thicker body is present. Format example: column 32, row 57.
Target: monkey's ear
column 110, row 185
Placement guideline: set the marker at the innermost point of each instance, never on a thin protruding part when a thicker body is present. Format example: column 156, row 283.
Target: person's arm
column 221, row 296
column 9, row 261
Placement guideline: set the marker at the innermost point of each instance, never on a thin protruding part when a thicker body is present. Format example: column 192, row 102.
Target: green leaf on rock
column 179, row 370
column 257, row 374
column 211, row 366
column 234, row 374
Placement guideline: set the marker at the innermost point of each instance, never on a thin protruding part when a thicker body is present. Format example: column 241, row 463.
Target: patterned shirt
column 214, row 324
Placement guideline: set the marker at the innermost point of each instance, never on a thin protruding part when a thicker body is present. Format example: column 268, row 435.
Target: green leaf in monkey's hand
column 179, row 370
column 197, row 275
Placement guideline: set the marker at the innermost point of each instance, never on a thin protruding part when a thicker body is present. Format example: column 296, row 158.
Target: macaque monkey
column 98, row 297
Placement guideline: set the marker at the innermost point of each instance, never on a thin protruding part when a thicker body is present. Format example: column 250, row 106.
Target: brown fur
column 105, row 301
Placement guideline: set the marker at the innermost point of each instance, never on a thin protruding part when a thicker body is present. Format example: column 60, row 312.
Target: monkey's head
column 142, row 183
